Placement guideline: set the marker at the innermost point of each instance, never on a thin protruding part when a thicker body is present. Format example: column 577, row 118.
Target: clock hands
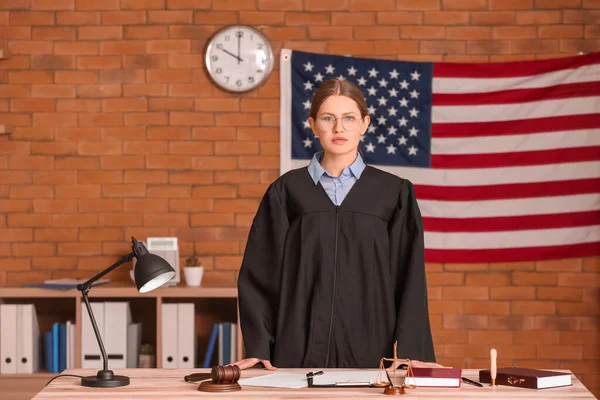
column 239, row 36
column 232, row 55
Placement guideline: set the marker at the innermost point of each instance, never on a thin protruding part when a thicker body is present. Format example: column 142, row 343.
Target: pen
column 470, row 382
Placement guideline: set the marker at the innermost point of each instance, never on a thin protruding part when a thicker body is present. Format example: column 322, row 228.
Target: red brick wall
column 120, row 133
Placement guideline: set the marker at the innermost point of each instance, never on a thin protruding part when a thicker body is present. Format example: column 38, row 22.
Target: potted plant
column 193, row 271
column 147, row 357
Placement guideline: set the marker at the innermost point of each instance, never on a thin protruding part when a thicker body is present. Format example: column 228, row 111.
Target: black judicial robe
column 334, row 286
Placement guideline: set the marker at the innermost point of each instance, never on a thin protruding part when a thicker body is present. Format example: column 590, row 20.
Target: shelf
column 123, row 291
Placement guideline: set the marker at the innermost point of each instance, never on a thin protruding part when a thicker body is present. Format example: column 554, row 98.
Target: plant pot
column 147, row 361
column 193, row 275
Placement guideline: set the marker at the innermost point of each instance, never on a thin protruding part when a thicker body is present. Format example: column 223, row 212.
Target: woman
column 333, row 271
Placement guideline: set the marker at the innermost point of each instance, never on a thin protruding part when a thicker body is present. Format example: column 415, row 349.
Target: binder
column 28, row 339
column 169, row 331
column 134, row 342
column 55, row 347
column 48, row 352
column 186, row 336
column 233, row 348
column 71, row 345
column 226, row 338
column 8, row 338
column 211, row 347
column 90, row 351
column 117, row 317
column 69, row 350
column 62, row 347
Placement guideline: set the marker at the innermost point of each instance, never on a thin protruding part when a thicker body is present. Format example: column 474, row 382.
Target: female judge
column 333, row 273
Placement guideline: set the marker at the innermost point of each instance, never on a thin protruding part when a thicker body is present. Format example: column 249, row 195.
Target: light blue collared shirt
column 336, row 187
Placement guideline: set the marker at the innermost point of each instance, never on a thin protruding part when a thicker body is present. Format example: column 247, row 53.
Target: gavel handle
column 197, row 377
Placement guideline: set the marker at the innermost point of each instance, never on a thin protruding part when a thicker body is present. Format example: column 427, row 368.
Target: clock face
column 239, row 58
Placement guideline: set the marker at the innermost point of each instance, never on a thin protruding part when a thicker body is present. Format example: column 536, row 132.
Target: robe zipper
column 337, row 224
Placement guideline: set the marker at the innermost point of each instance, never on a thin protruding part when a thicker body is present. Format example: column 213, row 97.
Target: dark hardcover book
column 435, row 377
column 527, row 378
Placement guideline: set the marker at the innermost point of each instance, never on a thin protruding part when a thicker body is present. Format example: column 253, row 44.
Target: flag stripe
column 524, row 222
column 516, row 143
column 588, row 73
column 516, row 127
column 512, row 239
column 517, row 68
column 513, row 159
column 512, row 255
column 573, row 90
column 495, row 176
column 510, row 207
column 508, row 191
column 511, row 112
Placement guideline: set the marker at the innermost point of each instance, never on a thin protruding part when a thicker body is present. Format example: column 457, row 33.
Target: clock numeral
column 227, row 38
column 260, row 71
column 238, row 82
column 219, row 46
column 214, row 58
column 251, row 79
column 239, row 34
column 260, row 45
column 251, row 36
column 219, row 70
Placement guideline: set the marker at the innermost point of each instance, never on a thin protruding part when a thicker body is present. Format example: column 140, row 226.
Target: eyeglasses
column 327, row 122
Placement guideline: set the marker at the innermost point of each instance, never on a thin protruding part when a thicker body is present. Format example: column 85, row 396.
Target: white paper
column 277, row 380
column 348, row 377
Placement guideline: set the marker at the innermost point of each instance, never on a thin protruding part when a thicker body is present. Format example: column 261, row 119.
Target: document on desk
column 277, row 380
column 298, row 380
column 363, row 377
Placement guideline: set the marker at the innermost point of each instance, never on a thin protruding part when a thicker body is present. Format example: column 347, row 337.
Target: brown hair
column 339, row 87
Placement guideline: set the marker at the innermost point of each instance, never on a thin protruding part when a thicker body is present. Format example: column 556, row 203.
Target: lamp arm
column 96, row 332
column 84, row 287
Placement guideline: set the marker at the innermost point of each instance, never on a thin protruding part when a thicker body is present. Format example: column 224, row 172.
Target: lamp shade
column 151, row 272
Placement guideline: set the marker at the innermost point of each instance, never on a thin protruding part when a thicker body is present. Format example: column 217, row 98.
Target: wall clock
column 238, row 58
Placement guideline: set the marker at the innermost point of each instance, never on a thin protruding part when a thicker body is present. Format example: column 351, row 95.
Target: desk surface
column 169, row 384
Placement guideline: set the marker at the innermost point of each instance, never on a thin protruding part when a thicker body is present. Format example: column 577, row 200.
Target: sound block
column 209, row 386
column 391, row 391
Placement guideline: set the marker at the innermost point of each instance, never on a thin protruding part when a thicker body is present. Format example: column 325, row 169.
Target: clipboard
column 349, row 379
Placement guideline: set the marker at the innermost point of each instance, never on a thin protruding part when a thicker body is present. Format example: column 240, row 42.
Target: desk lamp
column 151, row 272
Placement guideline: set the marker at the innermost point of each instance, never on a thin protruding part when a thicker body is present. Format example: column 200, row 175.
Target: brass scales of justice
column 389, row 385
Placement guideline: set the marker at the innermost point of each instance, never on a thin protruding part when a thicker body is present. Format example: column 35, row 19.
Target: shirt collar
column 316, row 170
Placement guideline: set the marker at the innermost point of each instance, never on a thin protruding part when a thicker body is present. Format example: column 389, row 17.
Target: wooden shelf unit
column 211, row 305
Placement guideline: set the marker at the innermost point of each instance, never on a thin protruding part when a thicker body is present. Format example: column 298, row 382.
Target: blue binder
column 211, row 346
column 55, row 347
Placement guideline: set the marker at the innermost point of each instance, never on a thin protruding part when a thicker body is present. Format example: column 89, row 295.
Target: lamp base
column 105, row 379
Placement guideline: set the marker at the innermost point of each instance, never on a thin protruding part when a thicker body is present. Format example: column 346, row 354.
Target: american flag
column 505, row 157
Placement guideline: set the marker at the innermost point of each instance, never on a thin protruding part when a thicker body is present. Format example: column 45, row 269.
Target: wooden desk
column 169, row 384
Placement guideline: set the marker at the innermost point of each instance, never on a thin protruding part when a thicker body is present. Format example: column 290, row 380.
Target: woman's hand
column 251, row 362
column 416, row 364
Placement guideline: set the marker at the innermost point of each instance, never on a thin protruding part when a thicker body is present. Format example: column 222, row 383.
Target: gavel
column 222, row 379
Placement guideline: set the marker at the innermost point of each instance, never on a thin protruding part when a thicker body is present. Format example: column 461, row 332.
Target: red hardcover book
column 435, row 377
column 527, row 378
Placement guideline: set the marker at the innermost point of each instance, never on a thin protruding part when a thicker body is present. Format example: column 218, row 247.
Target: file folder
column 28, row 339
column 117, row 317
column 169, row 335
column 8, row 338
column 90, row 352
column 186, row 336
